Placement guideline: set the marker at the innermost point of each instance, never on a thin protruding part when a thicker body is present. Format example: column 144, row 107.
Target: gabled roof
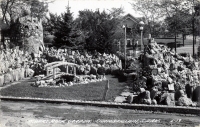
column 129, row 16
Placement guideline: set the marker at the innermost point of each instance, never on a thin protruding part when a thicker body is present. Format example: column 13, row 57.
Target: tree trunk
column 183, row 39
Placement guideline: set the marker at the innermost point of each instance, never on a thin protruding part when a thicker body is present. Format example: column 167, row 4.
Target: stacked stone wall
column 32, row 32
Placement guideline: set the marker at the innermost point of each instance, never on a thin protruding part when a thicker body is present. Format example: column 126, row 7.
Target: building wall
column 128, row 22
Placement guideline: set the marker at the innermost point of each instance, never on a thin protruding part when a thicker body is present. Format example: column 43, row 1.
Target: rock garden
column 164, row 77
column 157, row 76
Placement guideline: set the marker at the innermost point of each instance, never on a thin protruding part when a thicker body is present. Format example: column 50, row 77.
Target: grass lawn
column 187, row 41
column 187, row 49
column 89, row 92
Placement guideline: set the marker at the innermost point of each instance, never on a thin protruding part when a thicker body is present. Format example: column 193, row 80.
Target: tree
column 98, row 28
column 197, row 17
column 181, row 21
column 179, row 15
column 150, row 10
column 116, row 12
column 14, row 9
column 65, row 30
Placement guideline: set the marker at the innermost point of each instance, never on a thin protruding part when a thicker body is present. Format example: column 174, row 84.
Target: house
column 132, row 25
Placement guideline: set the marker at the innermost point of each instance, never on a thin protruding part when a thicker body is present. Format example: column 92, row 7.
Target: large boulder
column 8, row 78
column 196, row 94
column 29, row 72
column 147, row 98
column 153, row 102
column 184, row 101
column 189, row 90
column 130, row 99
column 153, row 93
column 142, row 98
column 15, row 75
column 178, row 94
column 93, row 70
column 101, row 62
column 79, row 61
column 167, row 99
column 170, row 100
column 81, row 70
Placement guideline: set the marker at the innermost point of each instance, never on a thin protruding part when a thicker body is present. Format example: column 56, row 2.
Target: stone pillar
column 32, row 31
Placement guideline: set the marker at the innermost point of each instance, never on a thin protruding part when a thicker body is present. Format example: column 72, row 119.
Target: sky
column 59, row 6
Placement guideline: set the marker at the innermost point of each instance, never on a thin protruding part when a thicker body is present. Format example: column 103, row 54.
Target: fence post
column 105, row 91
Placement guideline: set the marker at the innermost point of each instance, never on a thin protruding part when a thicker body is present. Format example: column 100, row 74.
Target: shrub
column 101, row 70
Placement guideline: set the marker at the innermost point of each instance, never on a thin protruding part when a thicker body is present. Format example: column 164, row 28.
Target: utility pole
column 193, row 28
column 175, row 26
column 124, row 26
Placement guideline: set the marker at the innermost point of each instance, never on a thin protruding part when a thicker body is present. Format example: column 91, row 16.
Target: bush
column 122, row 77
column 101, row 70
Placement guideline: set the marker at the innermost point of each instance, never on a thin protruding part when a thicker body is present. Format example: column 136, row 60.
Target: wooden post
column 75, row 70
column 26, row 70
column 105, row 91
column 47, row 71
column 54, row 73
column 67, row 69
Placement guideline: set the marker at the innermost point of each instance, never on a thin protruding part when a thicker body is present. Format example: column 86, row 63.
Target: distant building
column 131, row 24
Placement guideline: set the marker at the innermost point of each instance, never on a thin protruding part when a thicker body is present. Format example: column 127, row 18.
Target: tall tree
column 65, row 30
column 150, row 10
column 99, row 29
column 179, row 15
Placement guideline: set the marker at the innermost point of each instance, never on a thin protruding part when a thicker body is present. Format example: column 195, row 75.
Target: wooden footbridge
column 56, row 64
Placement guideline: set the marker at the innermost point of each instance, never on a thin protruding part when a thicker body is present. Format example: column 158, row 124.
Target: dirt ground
column 28, row 114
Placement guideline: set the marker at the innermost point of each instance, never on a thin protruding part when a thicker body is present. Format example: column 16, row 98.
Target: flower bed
column 66, row 80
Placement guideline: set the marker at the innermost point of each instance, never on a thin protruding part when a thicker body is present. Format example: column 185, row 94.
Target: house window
column 129, row 43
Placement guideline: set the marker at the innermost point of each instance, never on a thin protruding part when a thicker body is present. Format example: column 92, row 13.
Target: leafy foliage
column 178, row 15
column 180, row 21
column 150, row 11
column 14, row 9
column 98, row 29
column 64, row 29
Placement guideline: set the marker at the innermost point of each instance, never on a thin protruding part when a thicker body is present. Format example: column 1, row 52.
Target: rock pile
column 168, row 77
column 75, row 80
column 88, row 63
column 14, row 65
